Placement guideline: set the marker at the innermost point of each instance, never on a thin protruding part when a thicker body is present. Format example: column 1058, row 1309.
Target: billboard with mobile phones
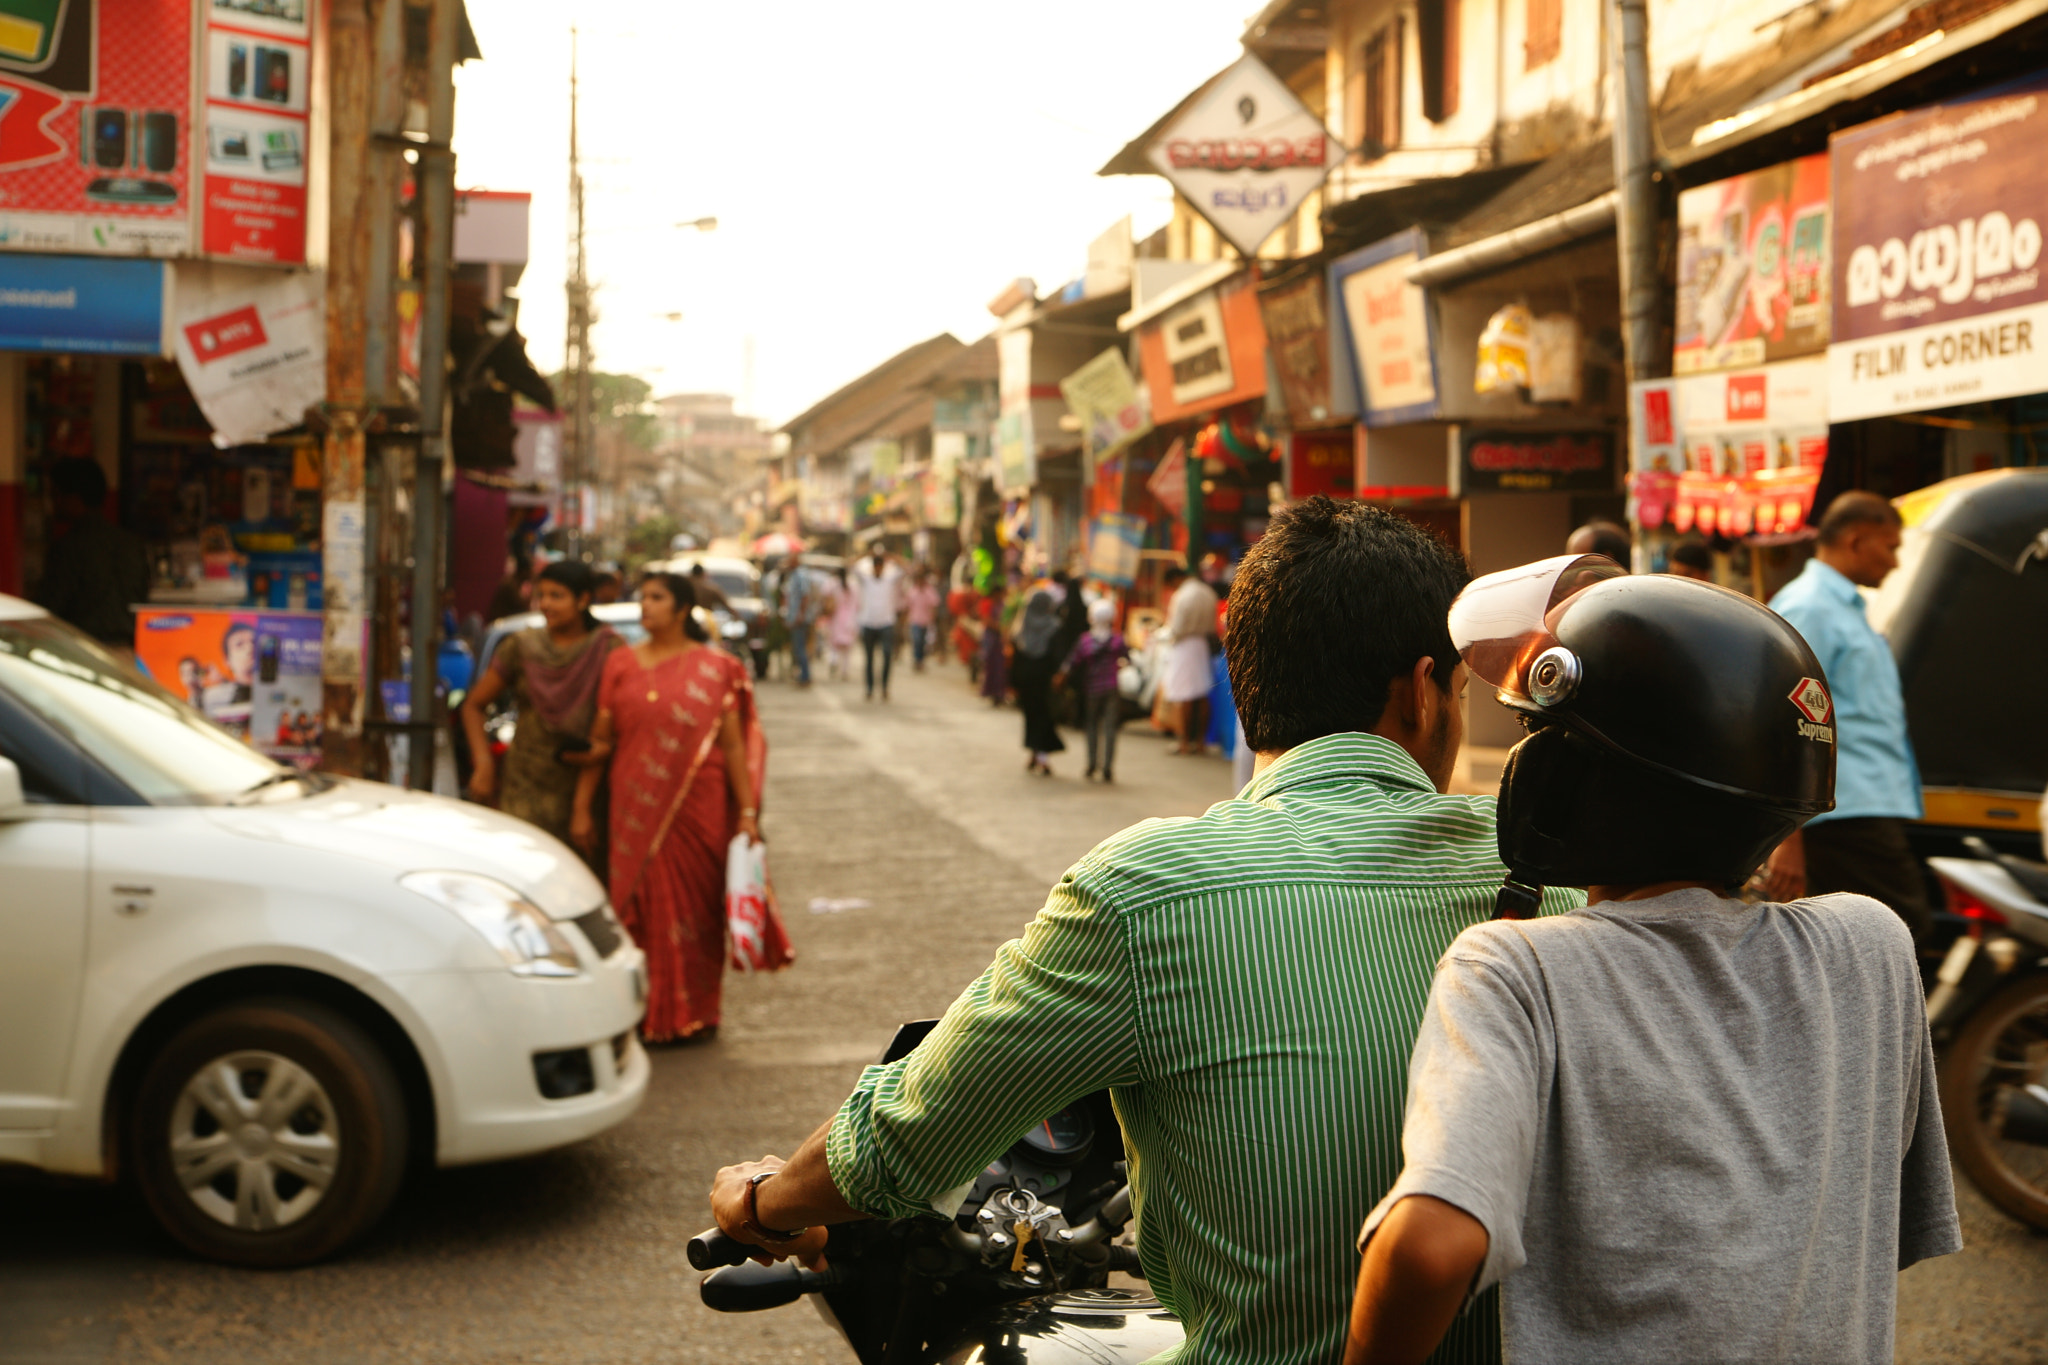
column 258, row 61
column 95, row 112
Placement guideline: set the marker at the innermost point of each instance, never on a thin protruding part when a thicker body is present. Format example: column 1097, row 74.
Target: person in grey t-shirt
column 1673, row 1125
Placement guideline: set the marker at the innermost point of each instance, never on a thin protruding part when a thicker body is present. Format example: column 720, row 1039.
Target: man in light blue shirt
column 800, row 605
column 1861, row 845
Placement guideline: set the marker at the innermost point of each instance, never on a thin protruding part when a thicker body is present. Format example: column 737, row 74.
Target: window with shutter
column 1546, row 33
column 1436, row 32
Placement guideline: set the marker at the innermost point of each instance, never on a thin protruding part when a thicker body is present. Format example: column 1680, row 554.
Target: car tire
column 1994, row 1045
column 243, row 1115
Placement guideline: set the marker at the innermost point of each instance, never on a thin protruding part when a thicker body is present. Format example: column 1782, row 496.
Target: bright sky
column 878, row 172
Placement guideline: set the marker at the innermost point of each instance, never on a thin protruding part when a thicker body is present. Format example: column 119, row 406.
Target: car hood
column 415, row 832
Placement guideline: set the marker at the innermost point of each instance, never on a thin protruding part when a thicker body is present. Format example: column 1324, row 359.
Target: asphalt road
column 919, row 808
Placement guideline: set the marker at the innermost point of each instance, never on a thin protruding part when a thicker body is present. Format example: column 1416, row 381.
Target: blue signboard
column 93, row 304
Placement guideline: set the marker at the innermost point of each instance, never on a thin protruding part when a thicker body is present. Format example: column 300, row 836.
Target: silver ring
column 1554, row 676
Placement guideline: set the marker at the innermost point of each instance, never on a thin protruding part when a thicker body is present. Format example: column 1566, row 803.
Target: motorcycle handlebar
column 710, row 1249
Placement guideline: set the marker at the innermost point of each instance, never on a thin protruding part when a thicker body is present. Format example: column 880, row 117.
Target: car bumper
column 490, row 1027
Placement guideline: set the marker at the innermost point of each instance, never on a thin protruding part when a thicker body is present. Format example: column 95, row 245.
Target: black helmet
column 1678, row 731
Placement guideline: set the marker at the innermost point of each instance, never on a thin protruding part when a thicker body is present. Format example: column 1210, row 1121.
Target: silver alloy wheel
column 254, row 1140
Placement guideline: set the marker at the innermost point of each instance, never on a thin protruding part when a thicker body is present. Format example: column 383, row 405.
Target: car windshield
column 162, row 748
column 730, row 583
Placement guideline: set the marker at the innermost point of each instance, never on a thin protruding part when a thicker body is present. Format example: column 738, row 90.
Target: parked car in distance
column 261, row 994
column 740, row 581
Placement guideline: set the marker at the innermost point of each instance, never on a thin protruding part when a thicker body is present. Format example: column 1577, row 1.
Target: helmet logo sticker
column 1816, row 709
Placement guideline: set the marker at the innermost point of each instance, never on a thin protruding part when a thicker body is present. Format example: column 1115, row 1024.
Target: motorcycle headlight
column 521, row 932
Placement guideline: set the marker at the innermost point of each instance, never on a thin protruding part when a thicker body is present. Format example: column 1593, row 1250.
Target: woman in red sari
column 676, row 718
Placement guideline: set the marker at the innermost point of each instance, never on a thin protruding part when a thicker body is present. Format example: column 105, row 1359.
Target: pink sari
column 672, row 818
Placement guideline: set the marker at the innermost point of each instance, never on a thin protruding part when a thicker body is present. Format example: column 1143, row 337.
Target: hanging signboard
column 1939, row 297
column 1016, row 438
column 1537, row 461
column 1753, row 275
column 1297, row 319
column 1114, row 540
column 1208, row 353
column 95, row 107
column 258, row 63
column 1104, row 399
column 1386, row 320
column 1246, row 153
column 251, row 346
column 1169, row 482
column 942, row 483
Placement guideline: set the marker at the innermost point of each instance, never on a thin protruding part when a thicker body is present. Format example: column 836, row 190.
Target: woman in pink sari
column 676, row 717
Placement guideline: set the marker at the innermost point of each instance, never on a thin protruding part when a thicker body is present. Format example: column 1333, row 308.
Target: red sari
column 672, row 819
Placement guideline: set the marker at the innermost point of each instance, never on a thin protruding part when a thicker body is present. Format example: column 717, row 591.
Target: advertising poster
column 1114, row 540
column 256, row 674
column 95, row 96
column 1938, row 296
column 1753, row 276
column 258, row 64
column 1297, row 321
column 252, row 347
column 1387, row 321
column 1104, row 399
column 1732, row 454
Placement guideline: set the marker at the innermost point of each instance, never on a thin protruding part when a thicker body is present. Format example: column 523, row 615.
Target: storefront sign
column 256, row 674
column 259, row 64
column 1387, row 321
column 1114, row 540
column 78, row 303
column 1753, row 275
column 1322, row 463
column 1297, row 321
column 1537, row 461
column 1104, row 399
column 1939, row 295
column 251, row 346
column 95, row 108
column 1208, row 353
column 1246, row 153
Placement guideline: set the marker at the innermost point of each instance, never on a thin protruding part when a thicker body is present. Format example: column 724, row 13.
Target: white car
column 262, row 994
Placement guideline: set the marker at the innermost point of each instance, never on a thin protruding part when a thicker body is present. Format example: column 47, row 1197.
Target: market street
column 919, row 808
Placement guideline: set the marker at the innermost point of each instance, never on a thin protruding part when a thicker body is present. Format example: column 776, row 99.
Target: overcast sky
column 878, row 172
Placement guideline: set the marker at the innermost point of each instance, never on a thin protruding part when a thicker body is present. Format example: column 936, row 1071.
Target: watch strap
column 754, row 1223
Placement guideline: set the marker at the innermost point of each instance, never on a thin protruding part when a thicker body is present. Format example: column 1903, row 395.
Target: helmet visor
column 1504, row 620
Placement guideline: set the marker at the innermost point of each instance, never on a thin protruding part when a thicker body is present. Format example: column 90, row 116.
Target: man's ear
column 1419, row 706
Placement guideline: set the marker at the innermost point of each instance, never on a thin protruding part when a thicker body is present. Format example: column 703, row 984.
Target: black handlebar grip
column 711, row 1249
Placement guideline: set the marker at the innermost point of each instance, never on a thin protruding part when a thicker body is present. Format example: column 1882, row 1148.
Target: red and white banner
column 251, row 345
column 258, row 62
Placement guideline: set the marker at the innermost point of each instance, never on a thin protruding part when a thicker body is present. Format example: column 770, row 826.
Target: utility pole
column 435, row 176
column 1635, row 224
column 581, row 465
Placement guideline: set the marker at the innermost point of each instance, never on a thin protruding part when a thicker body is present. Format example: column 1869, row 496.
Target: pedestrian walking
column 1860, row 845
column 676, row 719
column 1032, row 669
column 551, row 673
column 963, row 610
column 995, row 665
column 842, row 628
column 1189, row 678
column 1673, row 1125
column 1092, row 667
column 803, row 598
column 93, row 570
column 921, row 609
column 877, row 592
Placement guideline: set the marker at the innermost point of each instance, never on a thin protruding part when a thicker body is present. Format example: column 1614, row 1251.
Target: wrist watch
column 754, row 1224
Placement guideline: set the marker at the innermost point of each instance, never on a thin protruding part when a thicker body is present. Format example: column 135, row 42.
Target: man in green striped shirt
column 1248, row 983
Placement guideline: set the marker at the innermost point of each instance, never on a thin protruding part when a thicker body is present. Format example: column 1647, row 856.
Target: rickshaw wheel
column 2004, row 1046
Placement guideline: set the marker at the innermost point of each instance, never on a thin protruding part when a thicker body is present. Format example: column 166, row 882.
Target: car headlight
column 520, row 930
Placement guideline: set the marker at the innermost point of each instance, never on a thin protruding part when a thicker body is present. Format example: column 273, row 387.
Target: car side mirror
column 13, row 805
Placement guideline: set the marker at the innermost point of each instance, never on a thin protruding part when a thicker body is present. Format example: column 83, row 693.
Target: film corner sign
column 1939, row 297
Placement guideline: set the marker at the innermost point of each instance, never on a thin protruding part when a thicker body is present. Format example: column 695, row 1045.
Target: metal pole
column 580, row 466
column 1635, row 223
column 436, row 179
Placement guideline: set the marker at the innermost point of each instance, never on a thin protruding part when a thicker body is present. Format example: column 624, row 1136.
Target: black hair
column 696, row 571
column 1174, row 573
column 78, row 477
column 1335, row 601
column 1852, row 509
column 1693, row 553
column 579, row 578
column 685, row 598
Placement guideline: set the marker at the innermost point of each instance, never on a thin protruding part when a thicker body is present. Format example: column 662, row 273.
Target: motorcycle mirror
column 753, row 1288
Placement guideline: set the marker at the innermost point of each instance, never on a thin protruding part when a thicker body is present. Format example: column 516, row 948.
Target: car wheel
column 269, row 1133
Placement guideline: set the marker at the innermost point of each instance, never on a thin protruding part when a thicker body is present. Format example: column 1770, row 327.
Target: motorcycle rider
column 1673, row 1125
column 1247, row 982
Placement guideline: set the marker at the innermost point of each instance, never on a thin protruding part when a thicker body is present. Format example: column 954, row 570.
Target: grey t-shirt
column 1694, row 1129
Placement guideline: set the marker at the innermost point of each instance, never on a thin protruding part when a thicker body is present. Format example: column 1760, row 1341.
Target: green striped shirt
column 1248, row 983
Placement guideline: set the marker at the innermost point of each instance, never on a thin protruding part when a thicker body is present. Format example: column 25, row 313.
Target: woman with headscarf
column 1038, row 629
column 551, row 671
column 676, row 719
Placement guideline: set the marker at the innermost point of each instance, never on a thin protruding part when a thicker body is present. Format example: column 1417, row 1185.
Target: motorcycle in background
column 1020, row 1276
column 1990, row 1001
